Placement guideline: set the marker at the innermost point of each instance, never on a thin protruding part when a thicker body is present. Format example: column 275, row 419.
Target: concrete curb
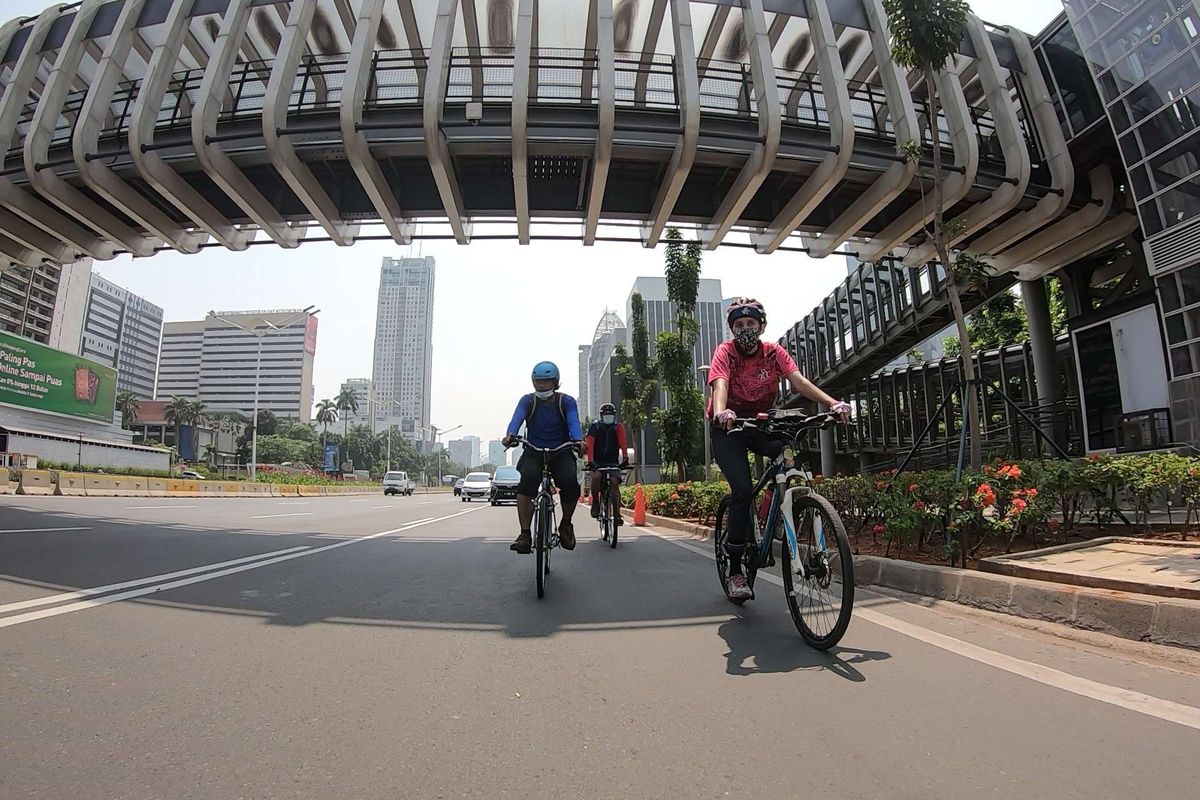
column 1140, row 617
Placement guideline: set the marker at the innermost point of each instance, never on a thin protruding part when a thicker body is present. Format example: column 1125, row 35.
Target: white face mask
column 608, row 419
column 544, row 395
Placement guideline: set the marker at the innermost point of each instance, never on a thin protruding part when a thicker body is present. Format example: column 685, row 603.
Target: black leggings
column 731, row 450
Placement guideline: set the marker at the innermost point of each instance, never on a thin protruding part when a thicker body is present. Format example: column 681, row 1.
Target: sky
column 499, row 307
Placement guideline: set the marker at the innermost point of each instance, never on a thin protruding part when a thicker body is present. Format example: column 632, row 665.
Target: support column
column 1041, row 343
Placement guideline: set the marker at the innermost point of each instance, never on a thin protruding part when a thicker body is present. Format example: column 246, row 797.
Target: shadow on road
column 756, row 648
column 457, row 575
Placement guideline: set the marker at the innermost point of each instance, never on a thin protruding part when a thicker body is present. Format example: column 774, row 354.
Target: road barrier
column 35, row 481
column 115, row 486
column 71, row 484
column 156, row 487
column 4, row 487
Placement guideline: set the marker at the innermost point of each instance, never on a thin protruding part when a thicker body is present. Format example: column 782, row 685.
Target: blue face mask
column 608, row 419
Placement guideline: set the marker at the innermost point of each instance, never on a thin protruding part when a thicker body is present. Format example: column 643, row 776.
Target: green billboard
column 39, row 377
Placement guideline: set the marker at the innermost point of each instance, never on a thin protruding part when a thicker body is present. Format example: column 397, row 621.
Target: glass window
column 1151, row 220
column 1078, row 92
column 1164, row 87
column 1173, row 122
column 1177, row 162
column 1181, row 203
column 1189, row 279
column 1176, row 331
column 1168, row 291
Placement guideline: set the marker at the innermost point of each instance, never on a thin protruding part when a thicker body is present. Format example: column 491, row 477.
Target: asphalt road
column 363, row 647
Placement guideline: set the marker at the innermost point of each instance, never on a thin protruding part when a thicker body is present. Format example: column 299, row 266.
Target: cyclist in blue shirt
column 551, row 419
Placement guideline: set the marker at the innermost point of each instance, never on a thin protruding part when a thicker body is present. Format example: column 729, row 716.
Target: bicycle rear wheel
column 541, row 544
column 720, row 534
column 822, row 600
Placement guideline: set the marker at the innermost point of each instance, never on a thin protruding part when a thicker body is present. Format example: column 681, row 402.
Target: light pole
column 270, row 326
column 703, row 370
column 437, row 434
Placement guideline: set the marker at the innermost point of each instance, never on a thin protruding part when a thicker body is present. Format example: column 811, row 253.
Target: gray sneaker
column 738, row 588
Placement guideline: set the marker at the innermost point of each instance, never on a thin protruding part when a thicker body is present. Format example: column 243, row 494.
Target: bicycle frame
column 780, row 473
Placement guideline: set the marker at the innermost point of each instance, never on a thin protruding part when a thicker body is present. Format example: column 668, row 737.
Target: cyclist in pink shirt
column 745, row 381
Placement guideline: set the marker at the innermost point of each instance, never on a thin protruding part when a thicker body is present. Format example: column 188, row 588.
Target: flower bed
column 1008, row 505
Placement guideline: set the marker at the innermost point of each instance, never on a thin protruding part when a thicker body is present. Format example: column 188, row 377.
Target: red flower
column 880, row 485
column 1031, row 493
column 681, row 487
column 1019, row 504
column 985, row 495
column 912, row 487
column 1054, row 523
column 880, row 528
column 674, row 495
column 919, row 505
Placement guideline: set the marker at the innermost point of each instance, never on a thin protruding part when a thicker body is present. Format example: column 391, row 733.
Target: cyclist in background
column 605, row 442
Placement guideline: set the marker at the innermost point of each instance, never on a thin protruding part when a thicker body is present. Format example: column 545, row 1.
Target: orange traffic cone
column 639, row 506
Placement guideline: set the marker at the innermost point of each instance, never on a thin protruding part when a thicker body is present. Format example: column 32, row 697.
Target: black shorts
column 562, row 467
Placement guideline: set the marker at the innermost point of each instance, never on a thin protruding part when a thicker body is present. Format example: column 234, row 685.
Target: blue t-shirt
column 546, row 427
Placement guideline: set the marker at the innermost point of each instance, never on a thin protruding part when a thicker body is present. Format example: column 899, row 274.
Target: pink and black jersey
column 753, row 380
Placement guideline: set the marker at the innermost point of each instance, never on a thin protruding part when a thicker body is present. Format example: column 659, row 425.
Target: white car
column 191, row 475
column 396, row 482
column 476, row 484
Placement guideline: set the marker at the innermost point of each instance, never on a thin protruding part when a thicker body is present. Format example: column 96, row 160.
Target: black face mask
column 747, row 338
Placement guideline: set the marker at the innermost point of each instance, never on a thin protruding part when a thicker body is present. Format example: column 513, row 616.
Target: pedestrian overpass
column 134, row 126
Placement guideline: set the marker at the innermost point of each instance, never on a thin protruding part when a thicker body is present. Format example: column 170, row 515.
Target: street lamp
column 704, row 370
column 437, row 434
column 270, row 326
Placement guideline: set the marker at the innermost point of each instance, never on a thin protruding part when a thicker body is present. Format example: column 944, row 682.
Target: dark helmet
column 746, row 307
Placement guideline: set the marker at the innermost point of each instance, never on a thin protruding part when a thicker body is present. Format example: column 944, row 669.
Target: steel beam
column 436, row 149
column 606, row 110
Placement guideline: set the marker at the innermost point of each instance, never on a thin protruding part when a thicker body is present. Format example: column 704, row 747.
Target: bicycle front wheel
column 613, row 503
column 541, row 545
column 821, row 596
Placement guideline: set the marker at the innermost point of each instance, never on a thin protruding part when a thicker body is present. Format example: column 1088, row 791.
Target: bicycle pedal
column 771, row 560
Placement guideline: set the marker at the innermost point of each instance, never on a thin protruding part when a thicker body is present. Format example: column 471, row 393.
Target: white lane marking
column 42, row 530
column 208, row 576
column 295, row 514
column 140, row 508
column 112, row 587
column 1149, row 705
column 373, row 508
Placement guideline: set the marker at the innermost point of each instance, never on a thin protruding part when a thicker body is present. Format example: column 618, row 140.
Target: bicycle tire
column 809, row 617
column 720, row 533
column 540, row 540
column 611, row 501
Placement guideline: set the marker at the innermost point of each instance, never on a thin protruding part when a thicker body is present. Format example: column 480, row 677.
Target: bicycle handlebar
column 521, row 440
column 793, row 424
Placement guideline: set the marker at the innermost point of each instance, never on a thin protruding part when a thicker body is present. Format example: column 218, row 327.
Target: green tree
column 128, row 405
column 635, row 380
column 347, row 404
column 177, row 412
column 679, row 423
column 925, row 34
column 1002, row 321
column 327, row 414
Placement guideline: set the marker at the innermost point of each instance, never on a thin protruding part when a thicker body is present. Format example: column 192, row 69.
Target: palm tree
column 327, row 414
column 128, row 405
column 347, row 400
column 196, row 417
column 177, row 413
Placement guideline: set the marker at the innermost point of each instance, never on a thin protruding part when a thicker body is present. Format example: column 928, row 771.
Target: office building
column 29, row 304
column 403, row 364
column 609, row 332
column 364, row 391
column 70, row 307
column 215, row 360
column 465, row 451
column 124, row 331
column 496, row 454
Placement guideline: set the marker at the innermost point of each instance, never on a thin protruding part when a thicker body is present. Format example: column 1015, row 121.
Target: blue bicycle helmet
column 546, row 371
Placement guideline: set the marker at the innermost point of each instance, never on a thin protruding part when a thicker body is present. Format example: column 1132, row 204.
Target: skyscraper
column 496, row 453
column 124, row 331
column 403, row 366
column 216, row 362
column 29, row 302
column 610, row 331
column 365, row 392
column 465, row 451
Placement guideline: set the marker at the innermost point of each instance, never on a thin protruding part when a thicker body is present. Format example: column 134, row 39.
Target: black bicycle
column 818, row 566
column 545, row 532
column 610, row 501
